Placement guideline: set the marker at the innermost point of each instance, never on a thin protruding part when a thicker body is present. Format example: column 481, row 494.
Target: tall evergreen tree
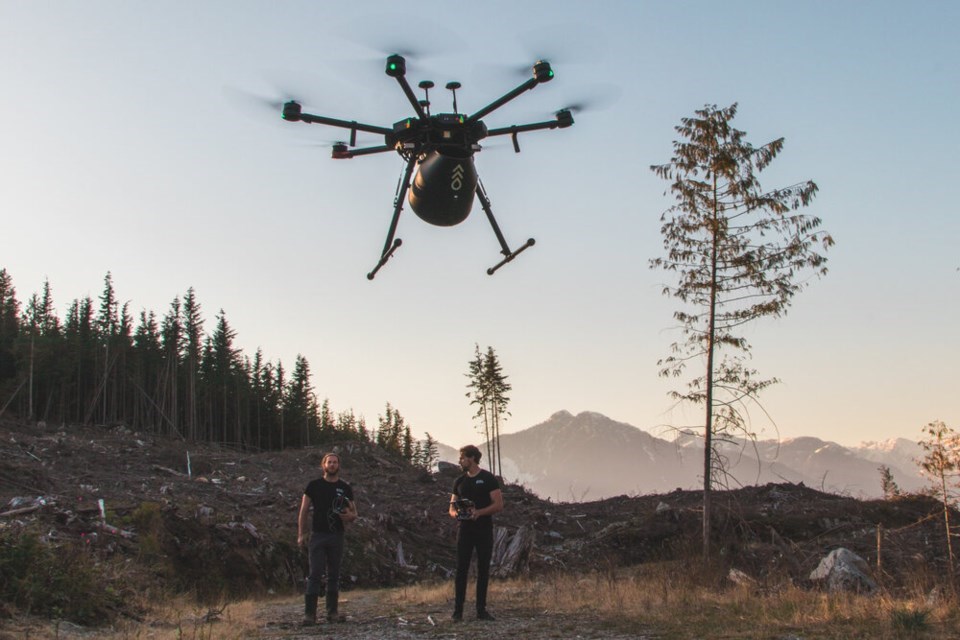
column 9, row 333
column 192, row 323
column 146, row 366
column 392, row 431
column 107, row 326
column 479, row 394
column 498, row 387
column 171, row 343
column 738, row 253
column 488, row 388
column 220, row 367
column 301, row 406
column 81, row 346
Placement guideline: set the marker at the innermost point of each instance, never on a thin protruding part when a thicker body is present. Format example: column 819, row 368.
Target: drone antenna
column 453, row 86
column 426, row 85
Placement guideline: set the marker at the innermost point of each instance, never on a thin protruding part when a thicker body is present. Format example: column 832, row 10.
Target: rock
column 843, row 570
column 738, row 577
column 448, row 467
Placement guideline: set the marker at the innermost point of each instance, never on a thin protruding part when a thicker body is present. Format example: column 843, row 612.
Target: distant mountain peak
column 592, row 456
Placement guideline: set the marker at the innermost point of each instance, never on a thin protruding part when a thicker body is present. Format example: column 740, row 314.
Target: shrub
column 56, row 580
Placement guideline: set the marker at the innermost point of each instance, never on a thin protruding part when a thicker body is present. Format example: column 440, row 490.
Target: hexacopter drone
column 443, row 145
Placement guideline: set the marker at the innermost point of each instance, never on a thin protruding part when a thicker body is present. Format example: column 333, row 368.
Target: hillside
column 228, row 528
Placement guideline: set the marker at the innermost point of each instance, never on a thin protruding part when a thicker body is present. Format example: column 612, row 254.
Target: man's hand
column 302, row 540
column 349, row 514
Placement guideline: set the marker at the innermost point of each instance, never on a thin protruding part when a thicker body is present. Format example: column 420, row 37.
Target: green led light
column 393, row 66
column 551, row 73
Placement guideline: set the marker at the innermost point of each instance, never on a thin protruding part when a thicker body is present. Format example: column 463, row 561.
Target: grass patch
column 57, row 580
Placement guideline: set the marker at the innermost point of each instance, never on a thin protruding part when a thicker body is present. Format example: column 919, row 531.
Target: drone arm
column 496, row 104
column 402, row 80
column 522, row 128
column 564, row 120
column 341, row 152
column 344, row 124
column 541, row 73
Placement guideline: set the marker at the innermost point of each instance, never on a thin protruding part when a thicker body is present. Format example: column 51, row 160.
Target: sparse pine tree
column 429, row 452
column 498, row 388
column 738, row 254
column 407, row 444
column 479, row 394
column 488, row 388
column 941, row 464
column 887, row 484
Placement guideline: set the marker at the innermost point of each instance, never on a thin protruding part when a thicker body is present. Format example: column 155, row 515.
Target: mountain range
column 588, row 456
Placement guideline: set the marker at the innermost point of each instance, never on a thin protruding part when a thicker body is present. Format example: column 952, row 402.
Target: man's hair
column 471, row 452
column 329, row 455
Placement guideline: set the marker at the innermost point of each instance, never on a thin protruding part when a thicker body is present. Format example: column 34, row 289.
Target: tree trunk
column 511, row 553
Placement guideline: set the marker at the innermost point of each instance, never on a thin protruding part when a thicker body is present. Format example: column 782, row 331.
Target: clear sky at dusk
column 126, row 146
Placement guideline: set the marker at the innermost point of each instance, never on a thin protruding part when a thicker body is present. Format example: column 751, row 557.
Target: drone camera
column 542, row 71
column 396, row 66
column 291, row 111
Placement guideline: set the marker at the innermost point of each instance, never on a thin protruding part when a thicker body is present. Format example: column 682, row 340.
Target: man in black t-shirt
column 476, row 497
column 333, row 507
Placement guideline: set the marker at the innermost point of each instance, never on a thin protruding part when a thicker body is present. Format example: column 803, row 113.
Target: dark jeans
column 467, row 541
column 326, row 555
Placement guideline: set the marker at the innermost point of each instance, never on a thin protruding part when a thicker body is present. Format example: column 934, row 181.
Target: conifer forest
column 166, row 375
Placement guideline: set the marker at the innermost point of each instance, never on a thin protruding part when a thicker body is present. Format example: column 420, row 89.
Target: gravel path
column 369, row 618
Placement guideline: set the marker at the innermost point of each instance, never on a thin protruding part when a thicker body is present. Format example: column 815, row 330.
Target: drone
column 440, row 147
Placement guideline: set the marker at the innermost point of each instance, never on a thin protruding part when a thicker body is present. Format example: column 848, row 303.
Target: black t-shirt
column 329, row 499
column 478, row 488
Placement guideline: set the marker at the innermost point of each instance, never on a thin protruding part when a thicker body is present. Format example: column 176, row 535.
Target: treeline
column 167, row 376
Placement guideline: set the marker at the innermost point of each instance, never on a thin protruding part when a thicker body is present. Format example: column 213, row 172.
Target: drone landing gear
column 392, row 245
column 504, row 248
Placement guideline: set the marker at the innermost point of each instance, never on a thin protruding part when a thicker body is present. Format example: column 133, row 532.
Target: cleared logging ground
column 657, row 601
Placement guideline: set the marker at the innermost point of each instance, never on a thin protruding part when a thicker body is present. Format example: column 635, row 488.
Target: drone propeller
column 271, row 101
column 564, row 44
column 379, row 34
column 561, row 45
column 253, row 101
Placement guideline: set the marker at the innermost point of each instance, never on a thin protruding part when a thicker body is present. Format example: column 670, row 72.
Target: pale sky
column 125, row 147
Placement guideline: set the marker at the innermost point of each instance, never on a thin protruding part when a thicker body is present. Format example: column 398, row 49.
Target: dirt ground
column 369, row 618
column 189, row 518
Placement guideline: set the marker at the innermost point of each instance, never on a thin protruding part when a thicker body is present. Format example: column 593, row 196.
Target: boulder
column 843, row 570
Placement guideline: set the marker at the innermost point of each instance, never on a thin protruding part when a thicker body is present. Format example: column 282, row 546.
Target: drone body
column 441, row 148
column 442, row 191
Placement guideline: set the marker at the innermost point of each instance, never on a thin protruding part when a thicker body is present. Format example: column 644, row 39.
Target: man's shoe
column 336, row 617
column 485, row 615
column 457, row 616
column 308, row 622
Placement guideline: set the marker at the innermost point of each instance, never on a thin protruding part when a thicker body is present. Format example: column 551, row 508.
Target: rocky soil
column 216, row 522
